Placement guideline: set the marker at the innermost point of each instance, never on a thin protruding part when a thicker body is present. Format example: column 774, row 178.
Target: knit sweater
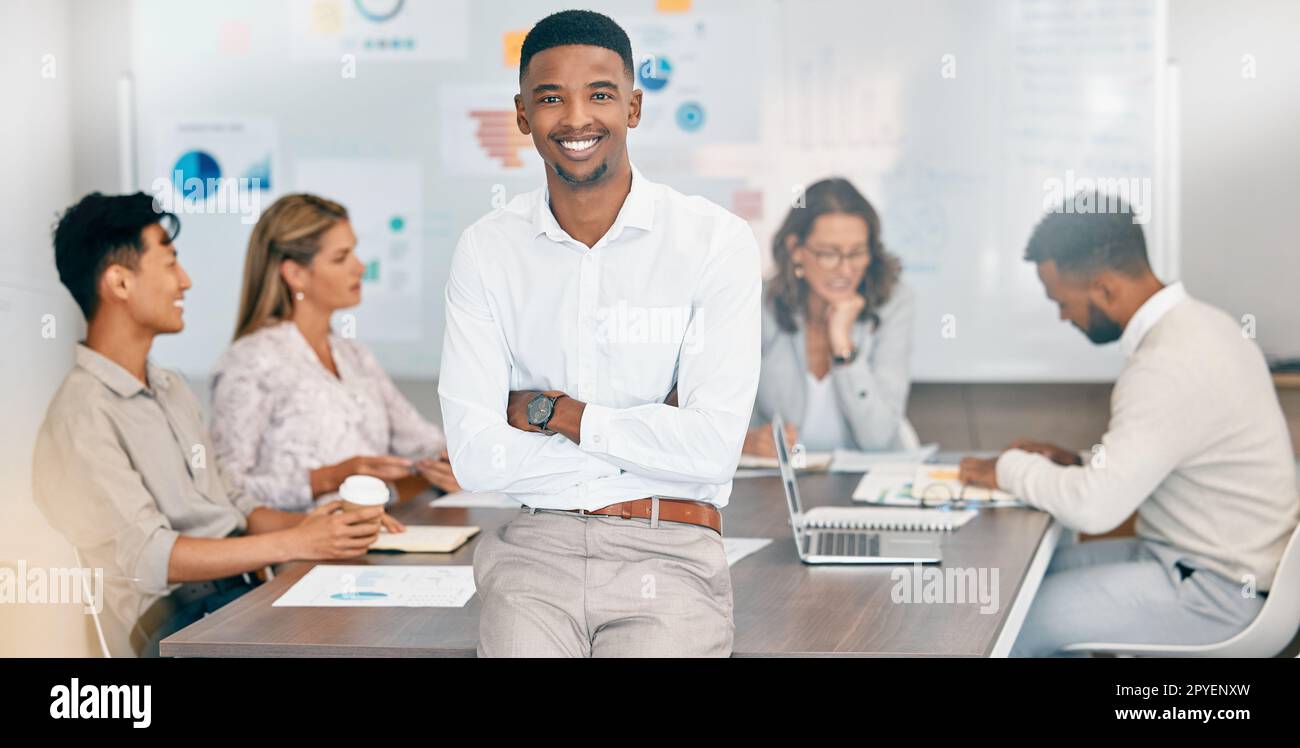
column 1197, row 444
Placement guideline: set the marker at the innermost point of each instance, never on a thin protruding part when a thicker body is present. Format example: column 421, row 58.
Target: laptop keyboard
column 844, row 544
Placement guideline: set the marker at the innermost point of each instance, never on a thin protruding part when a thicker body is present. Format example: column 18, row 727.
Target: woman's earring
column 798, row 271
column 299, row 296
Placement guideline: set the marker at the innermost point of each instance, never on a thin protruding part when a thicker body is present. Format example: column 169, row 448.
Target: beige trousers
column 557, row 584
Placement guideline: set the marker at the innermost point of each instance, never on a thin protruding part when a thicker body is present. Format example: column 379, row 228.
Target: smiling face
column 1076, row 299
column 577, row 102
column 838, row 239
column 153, row 292
column 333, row 278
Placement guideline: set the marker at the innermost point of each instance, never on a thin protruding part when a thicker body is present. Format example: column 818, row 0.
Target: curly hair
column 788, row 294
column 103, row 230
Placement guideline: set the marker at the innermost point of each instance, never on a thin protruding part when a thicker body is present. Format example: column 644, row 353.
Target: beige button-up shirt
column 122, row 470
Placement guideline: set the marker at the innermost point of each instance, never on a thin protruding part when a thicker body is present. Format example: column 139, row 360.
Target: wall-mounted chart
column 480, row 136
column 385, row 207
column 378, row 29
column 214, row 164
column 694, row 91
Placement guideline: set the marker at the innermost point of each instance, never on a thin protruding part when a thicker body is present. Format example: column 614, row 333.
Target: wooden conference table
column 782, row 607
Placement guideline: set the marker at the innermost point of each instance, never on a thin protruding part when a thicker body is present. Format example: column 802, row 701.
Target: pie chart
column 195, row 165
column 654, row 73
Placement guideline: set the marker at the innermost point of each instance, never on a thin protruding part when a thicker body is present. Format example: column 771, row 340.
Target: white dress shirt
column 670, row 294
column 1149, row 314
column 278, row 414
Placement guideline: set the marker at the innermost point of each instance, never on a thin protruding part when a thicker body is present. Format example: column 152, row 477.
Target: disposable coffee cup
column 363, row 492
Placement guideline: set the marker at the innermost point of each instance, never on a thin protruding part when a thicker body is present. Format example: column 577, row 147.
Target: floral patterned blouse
column 278, row 414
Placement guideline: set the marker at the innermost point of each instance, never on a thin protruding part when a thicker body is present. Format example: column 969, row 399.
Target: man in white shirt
column 579, row 317
column 1197, row 445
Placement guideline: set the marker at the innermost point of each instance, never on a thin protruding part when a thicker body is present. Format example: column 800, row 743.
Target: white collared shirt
column 1149, row 314
column 823, row 428
column 670, row 294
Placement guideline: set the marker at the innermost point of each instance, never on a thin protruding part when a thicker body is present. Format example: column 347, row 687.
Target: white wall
column 36, row 72
column 1241, row 160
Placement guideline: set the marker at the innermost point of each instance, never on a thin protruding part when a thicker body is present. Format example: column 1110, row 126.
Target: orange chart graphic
column 499, row 136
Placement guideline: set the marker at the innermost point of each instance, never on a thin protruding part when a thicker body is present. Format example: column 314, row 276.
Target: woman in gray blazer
column 837, row 329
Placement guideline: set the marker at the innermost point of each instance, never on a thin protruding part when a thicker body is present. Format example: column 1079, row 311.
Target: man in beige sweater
column 1197, row 445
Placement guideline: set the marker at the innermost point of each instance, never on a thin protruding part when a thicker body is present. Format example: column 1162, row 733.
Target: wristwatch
column 540, row 410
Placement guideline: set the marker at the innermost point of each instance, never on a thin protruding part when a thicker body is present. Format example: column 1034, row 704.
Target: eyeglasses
column 830, row 259
column 940, row 495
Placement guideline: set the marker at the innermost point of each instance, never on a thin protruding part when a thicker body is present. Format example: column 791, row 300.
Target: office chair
column 1270, row 632
column 94, row 608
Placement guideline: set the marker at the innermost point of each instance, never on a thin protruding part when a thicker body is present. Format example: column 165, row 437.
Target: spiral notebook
column 863, row 518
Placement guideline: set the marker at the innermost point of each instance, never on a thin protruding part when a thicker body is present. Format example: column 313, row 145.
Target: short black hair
column 576, row 27
column 102, row 230
column 1090, row 232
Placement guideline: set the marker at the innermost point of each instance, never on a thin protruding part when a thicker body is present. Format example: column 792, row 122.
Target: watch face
column 539, row 410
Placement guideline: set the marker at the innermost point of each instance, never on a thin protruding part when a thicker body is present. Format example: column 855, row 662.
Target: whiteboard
column 950, row 116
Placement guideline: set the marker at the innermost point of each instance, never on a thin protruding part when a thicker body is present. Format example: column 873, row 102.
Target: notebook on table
column 424, row 539
column 907, row 520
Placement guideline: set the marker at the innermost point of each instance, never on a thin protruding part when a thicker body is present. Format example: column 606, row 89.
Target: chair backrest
column 95, row 605
column 1279, row 618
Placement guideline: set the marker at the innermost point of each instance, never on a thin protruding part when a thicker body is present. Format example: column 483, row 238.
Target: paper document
column 738, row 548
column 800, row 461
column 939, row 482
column 756, row 473
column 475, row 500
column 396, row 586
column 905, row 484
column 888, row 483
column 425, row 539
column 850, row 461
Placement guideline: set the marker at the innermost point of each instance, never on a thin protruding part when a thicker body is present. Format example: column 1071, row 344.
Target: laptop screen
column 787, row 470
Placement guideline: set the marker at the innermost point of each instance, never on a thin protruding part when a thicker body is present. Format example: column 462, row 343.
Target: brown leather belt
column 670, row 510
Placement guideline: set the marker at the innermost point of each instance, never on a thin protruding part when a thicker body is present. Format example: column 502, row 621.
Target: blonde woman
column 296, row 408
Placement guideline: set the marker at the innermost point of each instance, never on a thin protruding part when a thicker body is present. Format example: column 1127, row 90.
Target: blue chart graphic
column 690, row 116
column 195, row 165
column 379, row 11
column 260, row 171
column 654, row 73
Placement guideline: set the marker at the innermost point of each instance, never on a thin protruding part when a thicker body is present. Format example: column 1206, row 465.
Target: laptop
column 847, row 538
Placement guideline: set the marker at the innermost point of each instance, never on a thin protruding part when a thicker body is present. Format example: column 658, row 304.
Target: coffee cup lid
column 364, row 489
